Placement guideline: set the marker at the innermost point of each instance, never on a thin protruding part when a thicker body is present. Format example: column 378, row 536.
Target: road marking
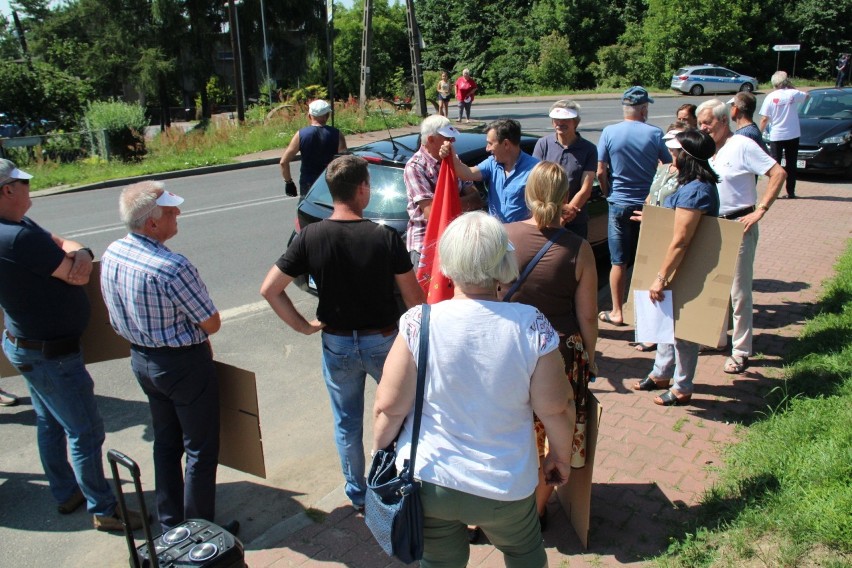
column 196, row 213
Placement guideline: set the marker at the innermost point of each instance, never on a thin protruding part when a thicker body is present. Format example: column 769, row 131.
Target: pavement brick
column 653, row 464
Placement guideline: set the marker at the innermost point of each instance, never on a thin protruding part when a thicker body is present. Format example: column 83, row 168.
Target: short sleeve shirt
column 506, row 193
column 576, row 159
column 737, row 162
column 782, row 108
column 696, row 194
column 632, row 149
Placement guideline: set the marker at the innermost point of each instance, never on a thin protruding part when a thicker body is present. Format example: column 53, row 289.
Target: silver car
column 700, row 79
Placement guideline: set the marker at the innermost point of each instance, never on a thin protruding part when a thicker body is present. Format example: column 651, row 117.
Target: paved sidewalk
column 653, row 464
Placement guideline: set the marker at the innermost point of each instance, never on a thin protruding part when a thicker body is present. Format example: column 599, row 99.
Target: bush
column 124, row 124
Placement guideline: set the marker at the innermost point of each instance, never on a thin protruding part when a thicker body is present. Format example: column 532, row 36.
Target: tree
column 824, row 33
column 42, row 91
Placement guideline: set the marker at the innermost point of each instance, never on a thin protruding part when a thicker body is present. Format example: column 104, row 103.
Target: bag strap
column 421, row 385
column 528, row 268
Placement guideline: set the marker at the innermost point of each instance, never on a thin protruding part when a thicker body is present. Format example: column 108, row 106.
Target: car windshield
column 387, row 193
column 830, row 106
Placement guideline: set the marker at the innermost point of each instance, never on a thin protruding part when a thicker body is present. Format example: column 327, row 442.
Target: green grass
column 213, row 144
column 785, row 495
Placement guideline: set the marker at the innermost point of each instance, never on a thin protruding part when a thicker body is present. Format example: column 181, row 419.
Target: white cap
column 10, row 172
column 673, row 144
column 563, row 113
column 319, row 108
column 732, row 101
column 671, row 134
column 448, row 131
column 169, row 199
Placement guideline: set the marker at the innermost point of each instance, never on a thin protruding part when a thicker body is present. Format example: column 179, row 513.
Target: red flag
column 446, row 206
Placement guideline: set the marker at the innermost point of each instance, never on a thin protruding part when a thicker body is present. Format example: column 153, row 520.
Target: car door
column 728, row 80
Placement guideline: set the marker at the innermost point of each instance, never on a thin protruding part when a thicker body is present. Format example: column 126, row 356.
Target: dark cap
column 635, row 96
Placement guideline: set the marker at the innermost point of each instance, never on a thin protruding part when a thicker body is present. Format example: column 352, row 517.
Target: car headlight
column 838, row 139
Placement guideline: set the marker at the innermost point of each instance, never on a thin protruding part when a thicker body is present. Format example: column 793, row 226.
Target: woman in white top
column 490, row 366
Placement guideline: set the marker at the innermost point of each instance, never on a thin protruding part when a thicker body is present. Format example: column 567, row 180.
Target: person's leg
column 64, row 400
column 467, row 109
column 741, row 295
column 686, row 355
column 196, row 402
column 461, row 110
column 791, row 153
column 344, row 378
column 619, row 243
column 168, row 444
column 664, row 361
column 512, row 527
column 445, row 543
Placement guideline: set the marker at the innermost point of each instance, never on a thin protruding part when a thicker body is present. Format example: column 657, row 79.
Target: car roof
column 400, row 149
column 829, row 90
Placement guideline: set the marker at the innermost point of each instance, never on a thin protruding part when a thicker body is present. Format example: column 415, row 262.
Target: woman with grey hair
column 780, row 113
column 490, row 365
column 465, row 89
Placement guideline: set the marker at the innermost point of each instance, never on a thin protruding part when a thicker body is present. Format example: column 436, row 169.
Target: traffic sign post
column 794, row 47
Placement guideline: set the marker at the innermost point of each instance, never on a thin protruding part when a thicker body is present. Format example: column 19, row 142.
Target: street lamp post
column 233, row 23
column 265, row 51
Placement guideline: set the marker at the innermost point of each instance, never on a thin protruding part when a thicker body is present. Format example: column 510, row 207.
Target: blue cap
column 636, row 96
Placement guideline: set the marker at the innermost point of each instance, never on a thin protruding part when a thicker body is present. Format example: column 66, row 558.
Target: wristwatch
column 88, row 250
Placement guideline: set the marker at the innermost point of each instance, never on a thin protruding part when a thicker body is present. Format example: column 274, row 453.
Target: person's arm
column 685, row 224
column 579, row 201
column 272, row 290
column 425, row 206
column 777, row 176
column 586, row 299
column 341, row 146
column 211, row 325
column 395, row 394
column 412, row 293
column 76, row 267
column 764, row 120
column 462, row 170
column 471, row 200
column 289, row 155
column 603, row 178
column 552, row 401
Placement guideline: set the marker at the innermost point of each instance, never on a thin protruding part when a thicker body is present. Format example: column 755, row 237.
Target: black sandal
column 651, row 384
column 669, row 398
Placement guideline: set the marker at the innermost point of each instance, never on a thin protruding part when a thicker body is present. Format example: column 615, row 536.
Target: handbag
column 393, row 510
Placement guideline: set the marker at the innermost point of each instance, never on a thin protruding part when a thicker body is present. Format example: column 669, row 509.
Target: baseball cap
column 10, row 172
column 169, row 199
column 562, row 113
column 319, row 108
column 635, row 96
column 448, row 131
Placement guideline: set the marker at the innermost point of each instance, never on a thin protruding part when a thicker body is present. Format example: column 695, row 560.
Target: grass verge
column 785, row 497
column 211, row 144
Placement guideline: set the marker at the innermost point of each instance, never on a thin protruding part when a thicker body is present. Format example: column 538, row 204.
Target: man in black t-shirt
column 355, row 263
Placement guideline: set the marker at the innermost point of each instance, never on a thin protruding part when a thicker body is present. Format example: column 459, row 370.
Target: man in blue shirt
column 505, row 171
column 628, row 154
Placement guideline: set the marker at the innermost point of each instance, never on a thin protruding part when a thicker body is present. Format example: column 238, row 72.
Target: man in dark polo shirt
column 41, row 291
column 355, row 263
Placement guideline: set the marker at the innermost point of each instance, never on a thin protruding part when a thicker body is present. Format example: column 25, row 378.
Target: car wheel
column 746, row 88
column 696, row 90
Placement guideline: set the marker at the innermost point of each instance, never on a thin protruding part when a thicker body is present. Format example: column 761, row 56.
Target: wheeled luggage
column 195, row 542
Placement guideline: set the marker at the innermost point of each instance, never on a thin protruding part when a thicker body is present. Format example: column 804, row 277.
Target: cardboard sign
column 701, row 286
column 576, row 496
column 240, row 440
column 100, row 342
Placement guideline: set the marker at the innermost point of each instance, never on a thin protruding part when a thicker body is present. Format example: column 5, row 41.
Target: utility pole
column 329, row 37
column 416, row 64
column 238, row 60
column 366, row 48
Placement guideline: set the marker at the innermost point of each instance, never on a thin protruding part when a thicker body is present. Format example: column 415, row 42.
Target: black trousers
column 790, row 151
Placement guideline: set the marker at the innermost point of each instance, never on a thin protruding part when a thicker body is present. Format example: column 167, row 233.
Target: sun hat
column 319, row 108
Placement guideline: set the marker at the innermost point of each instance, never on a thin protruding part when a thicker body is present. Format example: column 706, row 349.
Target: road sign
column 787, row 47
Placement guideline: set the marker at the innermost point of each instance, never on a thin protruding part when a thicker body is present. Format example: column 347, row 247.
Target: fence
column 61, row 147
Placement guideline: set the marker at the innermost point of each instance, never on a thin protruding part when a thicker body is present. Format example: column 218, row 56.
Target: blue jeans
column 183, row 394
column 678, row 362
column 623, row 233
column 63, row 397
column 346, row 361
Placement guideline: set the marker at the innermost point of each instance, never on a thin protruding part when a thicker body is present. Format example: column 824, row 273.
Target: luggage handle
column 115, row 457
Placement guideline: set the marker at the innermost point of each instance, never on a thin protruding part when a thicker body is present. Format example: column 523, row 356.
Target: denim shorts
column 623, row 234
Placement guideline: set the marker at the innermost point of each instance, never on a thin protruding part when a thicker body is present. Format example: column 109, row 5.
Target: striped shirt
column 155, row 297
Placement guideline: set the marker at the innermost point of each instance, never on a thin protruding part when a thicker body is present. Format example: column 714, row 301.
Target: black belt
column 165, row 349
column 384, row 332
column 738, row 213
column 50, row 349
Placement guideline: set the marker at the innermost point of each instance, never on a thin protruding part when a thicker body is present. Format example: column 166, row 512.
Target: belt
column 738, row 213
column 384, row 332
column 165, row 349
column 50, row 349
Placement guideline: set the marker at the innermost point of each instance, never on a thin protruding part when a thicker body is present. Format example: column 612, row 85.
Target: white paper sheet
column 654, row 320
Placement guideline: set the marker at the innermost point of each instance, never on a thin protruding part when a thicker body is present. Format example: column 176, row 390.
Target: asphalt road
column 233, row 226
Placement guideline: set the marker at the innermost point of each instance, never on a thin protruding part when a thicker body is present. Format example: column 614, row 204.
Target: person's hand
column 751, row 219
column 82, row 266
column 569, row 213
column 637, row 216
column 290, row 189
column 555, row 472
column 313, row 327
column 446, row 150
column 655, row 291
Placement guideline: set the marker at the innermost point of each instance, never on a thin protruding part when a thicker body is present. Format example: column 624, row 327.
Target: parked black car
column 825, row 144
column 388, row 198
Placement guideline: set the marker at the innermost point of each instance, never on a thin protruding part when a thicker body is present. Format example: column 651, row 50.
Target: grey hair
column 474, row 251
column 431, row 124
column 780, row 80
column 631, row 111
column 567, row 103
column 719, row 109
column 137, row 204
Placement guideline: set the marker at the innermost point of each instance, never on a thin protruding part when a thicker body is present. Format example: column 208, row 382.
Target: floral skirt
column 577, row 373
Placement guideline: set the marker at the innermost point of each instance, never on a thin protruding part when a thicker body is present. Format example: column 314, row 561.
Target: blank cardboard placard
column 240, row 440
column 576, row 496
column 100, row 341
column 701, row 286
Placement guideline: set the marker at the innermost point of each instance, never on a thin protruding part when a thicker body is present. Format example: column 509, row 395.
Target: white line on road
column 206, row 211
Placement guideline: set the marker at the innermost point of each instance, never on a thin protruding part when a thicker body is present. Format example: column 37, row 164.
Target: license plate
column 311, row 284
column 800, row 164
